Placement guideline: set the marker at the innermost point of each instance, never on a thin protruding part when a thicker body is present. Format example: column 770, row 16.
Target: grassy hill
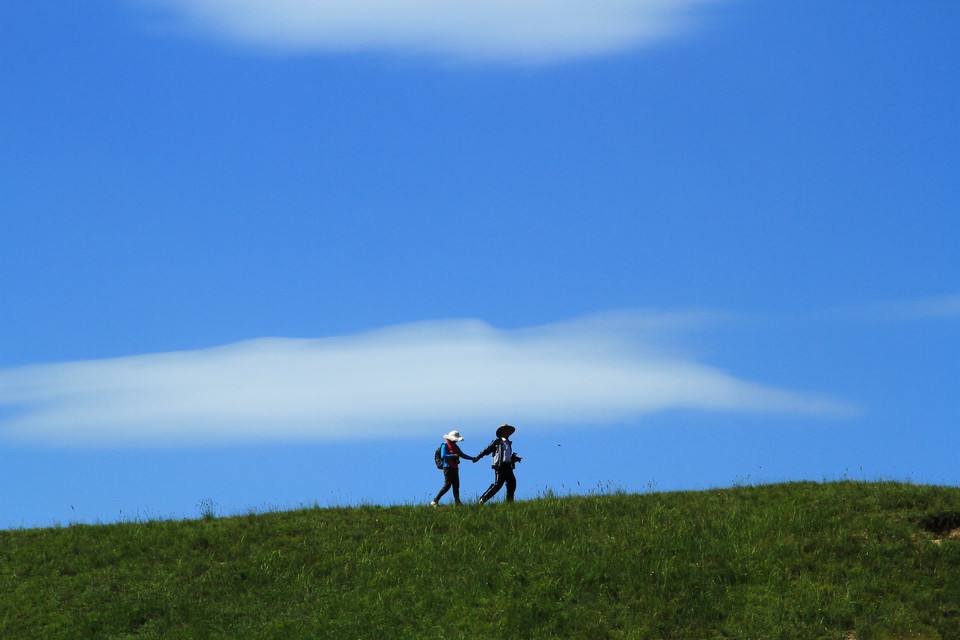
column 804, row 560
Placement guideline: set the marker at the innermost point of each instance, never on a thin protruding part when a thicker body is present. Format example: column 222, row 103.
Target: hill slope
column 781, row 561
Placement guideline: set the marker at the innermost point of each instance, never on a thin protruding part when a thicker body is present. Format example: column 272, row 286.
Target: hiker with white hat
column 504, row 460
column 447, row 457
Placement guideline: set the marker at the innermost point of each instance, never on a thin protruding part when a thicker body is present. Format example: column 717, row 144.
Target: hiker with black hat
column 504, row 460
column 448, row 457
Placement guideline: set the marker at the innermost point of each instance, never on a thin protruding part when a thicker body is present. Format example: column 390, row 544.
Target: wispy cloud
column 514, row 30
column 405, row 381
column 932, row 308
column 939, row 307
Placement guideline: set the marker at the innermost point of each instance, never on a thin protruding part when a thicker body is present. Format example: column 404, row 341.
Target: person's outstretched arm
column 465, row 456
column 489, row 449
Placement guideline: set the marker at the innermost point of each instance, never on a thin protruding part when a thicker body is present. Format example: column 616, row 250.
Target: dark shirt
column 497, row 448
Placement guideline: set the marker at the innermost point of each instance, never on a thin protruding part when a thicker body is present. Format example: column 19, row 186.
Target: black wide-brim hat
column 505, row 430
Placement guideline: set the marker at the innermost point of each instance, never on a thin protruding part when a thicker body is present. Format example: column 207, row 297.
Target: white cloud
column 520, row 30
column 407, row 381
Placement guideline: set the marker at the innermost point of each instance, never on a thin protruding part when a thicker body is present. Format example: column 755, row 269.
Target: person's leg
column 511, row 484
column 455, row 479
column 446, row 485
column 493, row 488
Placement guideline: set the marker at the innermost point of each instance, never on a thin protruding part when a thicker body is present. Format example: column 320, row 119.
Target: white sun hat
column 453, row 436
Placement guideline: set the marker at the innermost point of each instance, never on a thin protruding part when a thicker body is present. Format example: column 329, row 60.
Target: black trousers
column 504, row 475
column 451, row 478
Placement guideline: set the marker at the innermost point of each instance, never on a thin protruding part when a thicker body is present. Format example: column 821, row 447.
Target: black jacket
column 496, row 448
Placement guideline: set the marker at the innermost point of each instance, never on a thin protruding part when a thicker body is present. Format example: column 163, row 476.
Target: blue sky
column 679, row 244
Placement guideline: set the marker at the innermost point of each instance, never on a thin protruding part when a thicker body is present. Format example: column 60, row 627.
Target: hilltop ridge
column 798, row 560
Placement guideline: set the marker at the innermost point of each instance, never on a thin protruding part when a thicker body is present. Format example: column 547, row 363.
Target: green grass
column 800, row 560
